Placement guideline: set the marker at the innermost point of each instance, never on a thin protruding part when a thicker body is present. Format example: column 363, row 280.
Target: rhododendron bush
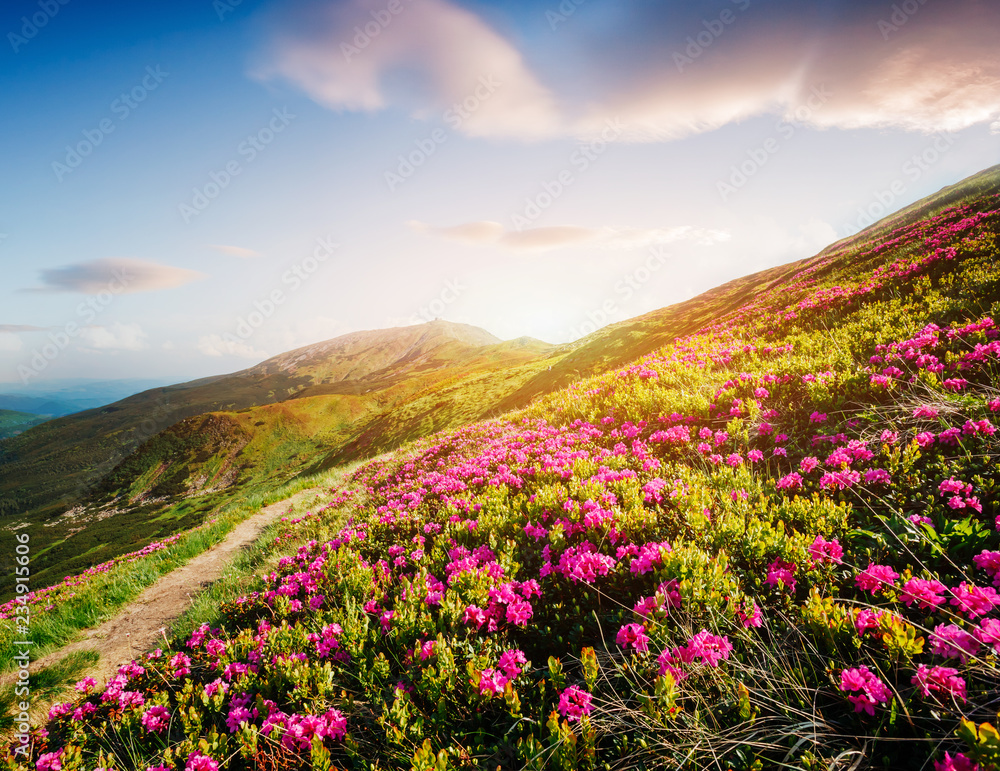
column 774, row 541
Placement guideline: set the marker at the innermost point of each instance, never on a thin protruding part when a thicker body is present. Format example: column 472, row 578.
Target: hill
column 771, row 542
column 103, row 481
column 13, row 423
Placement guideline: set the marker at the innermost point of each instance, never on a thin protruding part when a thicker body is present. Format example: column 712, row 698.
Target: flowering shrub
column 758, row 527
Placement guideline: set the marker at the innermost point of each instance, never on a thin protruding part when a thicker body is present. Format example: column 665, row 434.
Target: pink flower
column 791, row 481
column 876, row 577
column 781, row 573
column 750, row 618
column 710, row 648
column 865, row 619
column 990, row 562
column 818, row 417
column 155, row 719
column 519, row 613
column 951, row 641
column 960, row 762
column 633, row 635
column 86, row 685
column 840, row 479
column 512, row 663
column 50, row 761
column 877, row 476
column 822, row 551
column 574, row 703
column 492, row 682
column 925, row 439
column 975, row 600
column 808, row 464
column 873, row 690
column 943, row 680
column 927, row 593
column 474, row 615
column 989, row 633
column 198, row 762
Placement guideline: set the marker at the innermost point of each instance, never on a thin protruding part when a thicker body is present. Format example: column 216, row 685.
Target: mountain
column 769, row 540
column 326, row 404
column 98, row 479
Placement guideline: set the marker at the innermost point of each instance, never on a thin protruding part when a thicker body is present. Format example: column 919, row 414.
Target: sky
column 190, row 187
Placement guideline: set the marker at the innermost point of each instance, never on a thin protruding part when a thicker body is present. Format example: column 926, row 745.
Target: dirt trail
column 139, row 626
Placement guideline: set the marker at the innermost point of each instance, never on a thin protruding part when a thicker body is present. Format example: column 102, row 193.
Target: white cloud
column 446, row 55
column 560, row 237
column 995, row 127
column 217, row 345
column 235, row 251
column 116, row 337
column 937, row 70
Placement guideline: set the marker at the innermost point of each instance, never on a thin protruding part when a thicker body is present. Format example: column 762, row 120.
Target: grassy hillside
column 109, row 481
column 772, row 542
column 46, row 471
column 13, row 423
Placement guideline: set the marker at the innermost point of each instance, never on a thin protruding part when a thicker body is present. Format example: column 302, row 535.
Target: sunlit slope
column 45, row 470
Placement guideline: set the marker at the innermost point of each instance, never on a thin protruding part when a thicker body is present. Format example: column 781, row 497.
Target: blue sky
column 191, row 187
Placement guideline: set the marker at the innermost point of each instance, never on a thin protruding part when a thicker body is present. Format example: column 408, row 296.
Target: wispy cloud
column 114, row 337
column 235, row 251
column 545, row 239
column 442, row 51
column 120, row 275
column 17, row 329
column 664, row 70
column 217, row 345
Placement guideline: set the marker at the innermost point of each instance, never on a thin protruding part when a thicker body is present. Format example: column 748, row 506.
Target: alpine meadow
column 509, row 385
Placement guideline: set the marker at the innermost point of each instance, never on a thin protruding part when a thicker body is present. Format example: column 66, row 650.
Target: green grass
column 47, row 685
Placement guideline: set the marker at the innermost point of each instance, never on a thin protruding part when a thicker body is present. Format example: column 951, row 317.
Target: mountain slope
column 773, row 542
column 44, row 471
